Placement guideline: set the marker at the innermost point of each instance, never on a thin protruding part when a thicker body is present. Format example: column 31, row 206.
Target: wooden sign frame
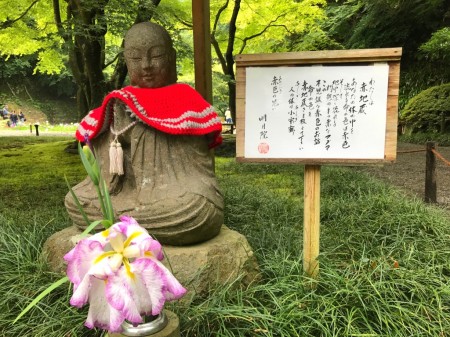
column 391, row 56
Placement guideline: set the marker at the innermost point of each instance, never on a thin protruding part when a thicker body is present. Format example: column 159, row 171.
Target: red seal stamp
column 263, row 148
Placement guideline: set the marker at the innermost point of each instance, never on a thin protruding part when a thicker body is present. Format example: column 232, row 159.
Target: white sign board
column 311, row 111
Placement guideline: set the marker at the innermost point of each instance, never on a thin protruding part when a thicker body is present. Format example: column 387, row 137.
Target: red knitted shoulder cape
column 176, row 109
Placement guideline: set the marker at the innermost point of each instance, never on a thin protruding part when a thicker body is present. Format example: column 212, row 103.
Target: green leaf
column 108, row 204
column 105, row 223
column 36, row 300
column 77, row 202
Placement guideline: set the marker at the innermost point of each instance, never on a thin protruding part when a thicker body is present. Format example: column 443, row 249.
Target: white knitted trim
column 186, row 115
column 90, row 121
column 182, row 122
column 83, row 131
column 190, row 124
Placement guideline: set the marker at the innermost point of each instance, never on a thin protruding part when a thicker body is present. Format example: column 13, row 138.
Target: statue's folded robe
column 169, row 185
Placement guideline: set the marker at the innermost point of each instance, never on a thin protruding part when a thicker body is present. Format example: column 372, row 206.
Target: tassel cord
column 116, row 151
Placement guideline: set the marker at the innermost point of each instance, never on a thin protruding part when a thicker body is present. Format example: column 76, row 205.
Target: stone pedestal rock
column 199, row 268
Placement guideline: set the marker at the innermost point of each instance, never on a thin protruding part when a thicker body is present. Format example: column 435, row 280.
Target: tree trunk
column 443, row 122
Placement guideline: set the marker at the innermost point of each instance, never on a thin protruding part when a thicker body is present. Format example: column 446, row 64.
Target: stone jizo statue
column 163, row 130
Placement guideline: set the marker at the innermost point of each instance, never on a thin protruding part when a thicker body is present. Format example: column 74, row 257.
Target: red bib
column 176, row 109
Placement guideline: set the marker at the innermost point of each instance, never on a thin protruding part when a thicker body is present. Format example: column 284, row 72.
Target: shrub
column 429, row 111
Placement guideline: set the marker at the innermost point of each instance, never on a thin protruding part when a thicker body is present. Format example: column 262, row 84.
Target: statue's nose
column 146, row 62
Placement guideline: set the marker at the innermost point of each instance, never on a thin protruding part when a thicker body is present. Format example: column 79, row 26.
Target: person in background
column 21, row 117
column 13, row 118
column 228, row 118
column 5, row 111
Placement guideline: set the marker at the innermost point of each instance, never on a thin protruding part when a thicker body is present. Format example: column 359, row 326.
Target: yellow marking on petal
column 130, row 238
column 126, row 263
column 105, row 233
column 148, row 254
column 102, row 256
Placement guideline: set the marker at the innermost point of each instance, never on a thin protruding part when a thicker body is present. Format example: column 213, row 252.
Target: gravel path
column 27, row 133
column 408, row 172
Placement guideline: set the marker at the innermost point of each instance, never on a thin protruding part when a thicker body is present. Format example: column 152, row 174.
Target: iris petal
column 153, row 281
column 132, row 252
column 116, row 241
column 81, row 258
column 173, row 289
column 115, row 262
column 123, row 295
column 101, row 314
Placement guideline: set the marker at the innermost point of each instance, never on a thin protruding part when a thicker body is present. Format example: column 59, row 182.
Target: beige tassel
column 119, row 159
column 115, row 158
column 112, row 157
column 116, row 152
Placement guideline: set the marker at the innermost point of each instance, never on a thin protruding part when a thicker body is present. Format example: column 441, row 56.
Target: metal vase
column 151, row 325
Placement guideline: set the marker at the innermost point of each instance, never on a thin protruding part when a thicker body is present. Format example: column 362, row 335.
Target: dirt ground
column 408, row 172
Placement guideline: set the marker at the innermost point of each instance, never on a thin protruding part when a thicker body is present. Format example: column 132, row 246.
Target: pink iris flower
column 119, row 272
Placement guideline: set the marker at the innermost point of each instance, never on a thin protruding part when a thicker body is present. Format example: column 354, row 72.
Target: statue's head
column 150, row 56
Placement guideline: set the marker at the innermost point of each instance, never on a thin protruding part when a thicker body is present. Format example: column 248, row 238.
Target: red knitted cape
column 176, row 109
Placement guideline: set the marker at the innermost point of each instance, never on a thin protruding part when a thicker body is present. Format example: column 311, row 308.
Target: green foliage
column 397, row 23
column 220, row 92
column 437, row 48
column 420, row 76
column 403, row 23
column 430, row 67
column 316, row 40
column 442, row 139
column 28, row 30
column 267, row 21
column 50, row 61
column 16, row 66
column 341, row 19
column 429, row 111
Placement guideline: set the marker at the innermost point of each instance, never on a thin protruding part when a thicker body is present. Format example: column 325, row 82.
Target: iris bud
column 88, row 153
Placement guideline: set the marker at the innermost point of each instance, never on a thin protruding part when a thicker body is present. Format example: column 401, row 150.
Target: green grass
column 384, row 263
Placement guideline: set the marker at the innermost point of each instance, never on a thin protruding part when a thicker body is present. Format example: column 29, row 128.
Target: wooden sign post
column 311, row 220
column 317, row 108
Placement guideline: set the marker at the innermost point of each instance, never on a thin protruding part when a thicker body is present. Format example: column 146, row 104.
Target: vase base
column 171, row 329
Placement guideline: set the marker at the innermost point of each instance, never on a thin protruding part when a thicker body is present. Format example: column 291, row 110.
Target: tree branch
column 112, row 61
column 270, row 25
column 232, row 31
column 214, row 41
column 188, row 24
column 9, row 22
column 216, row 19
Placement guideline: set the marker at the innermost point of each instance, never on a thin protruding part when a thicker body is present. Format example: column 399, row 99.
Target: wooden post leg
column 202, row 48
column 430, row 174
column 311, row 221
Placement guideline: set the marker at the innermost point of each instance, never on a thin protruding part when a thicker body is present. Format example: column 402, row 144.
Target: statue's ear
column 173, row 56
column 173, row 65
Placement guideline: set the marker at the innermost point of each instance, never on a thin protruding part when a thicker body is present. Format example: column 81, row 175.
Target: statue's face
column 150, row 59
